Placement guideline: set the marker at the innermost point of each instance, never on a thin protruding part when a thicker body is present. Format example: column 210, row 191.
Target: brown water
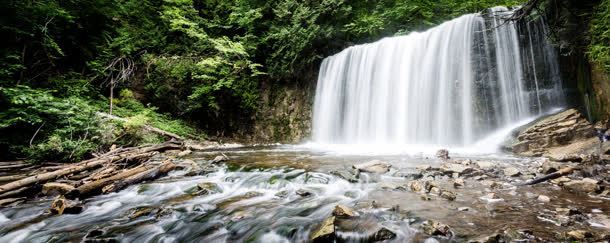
column 258, row 203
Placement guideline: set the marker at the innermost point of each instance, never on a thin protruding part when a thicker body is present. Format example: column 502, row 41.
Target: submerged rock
column 325, row 232
column 205, row 188
column 346, row 175
column 374, row 166
column 303, row 193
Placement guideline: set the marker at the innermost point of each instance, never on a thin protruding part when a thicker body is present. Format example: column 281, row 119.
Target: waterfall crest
column 450, row 85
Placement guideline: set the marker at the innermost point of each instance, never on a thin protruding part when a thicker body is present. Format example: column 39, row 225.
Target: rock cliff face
column 546, row 135
column 285, row 113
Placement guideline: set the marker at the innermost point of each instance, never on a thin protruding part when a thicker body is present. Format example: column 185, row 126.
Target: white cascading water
column 451, row 85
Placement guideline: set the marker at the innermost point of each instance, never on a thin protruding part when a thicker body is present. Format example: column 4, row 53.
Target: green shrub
column 599, row 48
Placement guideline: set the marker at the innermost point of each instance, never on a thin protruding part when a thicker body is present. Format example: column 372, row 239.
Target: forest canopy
column 174, row 63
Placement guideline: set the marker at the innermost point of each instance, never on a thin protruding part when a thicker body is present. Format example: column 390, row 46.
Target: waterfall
column 451, row 85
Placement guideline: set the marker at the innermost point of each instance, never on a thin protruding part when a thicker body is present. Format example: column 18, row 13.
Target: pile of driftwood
column 105, row 173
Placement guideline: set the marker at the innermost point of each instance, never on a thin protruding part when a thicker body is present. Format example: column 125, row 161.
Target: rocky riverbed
column 294, row 194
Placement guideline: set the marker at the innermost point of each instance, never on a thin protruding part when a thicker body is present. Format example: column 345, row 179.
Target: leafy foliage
column 599, row 48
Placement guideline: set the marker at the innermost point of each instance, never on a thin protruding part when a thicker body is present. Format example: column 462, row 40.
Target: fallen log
column 95, row 187
column 149, row 174
column 129, row 155
column 11, row 178
column 73, row 169
column 554, row 175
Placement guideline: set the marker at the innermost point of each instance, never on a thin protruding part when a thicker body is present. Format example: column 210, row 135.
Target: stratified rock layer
column 562, row 129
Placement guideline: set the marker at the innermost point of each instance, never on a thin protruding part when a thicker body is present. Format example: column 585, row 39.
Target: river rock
column 374, row 166
column 346, row 175
column 511, row 171
column 442, row 154
column 431, row 227
column 450, row 168
column 578, row 235
column 54, row 188
column 585, row 185
column 449, row 195
column 458, row 183
column 416, row 186
column 342, row 211
column 549, row 167
column 557, row 130
column 410, row 174
column 325, row 232
column 382, row 234
column 62, row 205
column 543, row 198
column 485, row 165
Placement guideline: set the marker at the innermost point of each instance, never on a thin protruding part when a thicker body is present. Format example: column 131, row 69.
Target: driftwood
column 126, row 157
column 554, row 175
column 148, row 174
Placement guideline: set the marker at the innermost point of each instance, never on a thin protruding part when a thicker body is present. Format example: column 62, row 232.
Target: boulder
column 557, row 130
column 374, row 166
column 325, row 232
